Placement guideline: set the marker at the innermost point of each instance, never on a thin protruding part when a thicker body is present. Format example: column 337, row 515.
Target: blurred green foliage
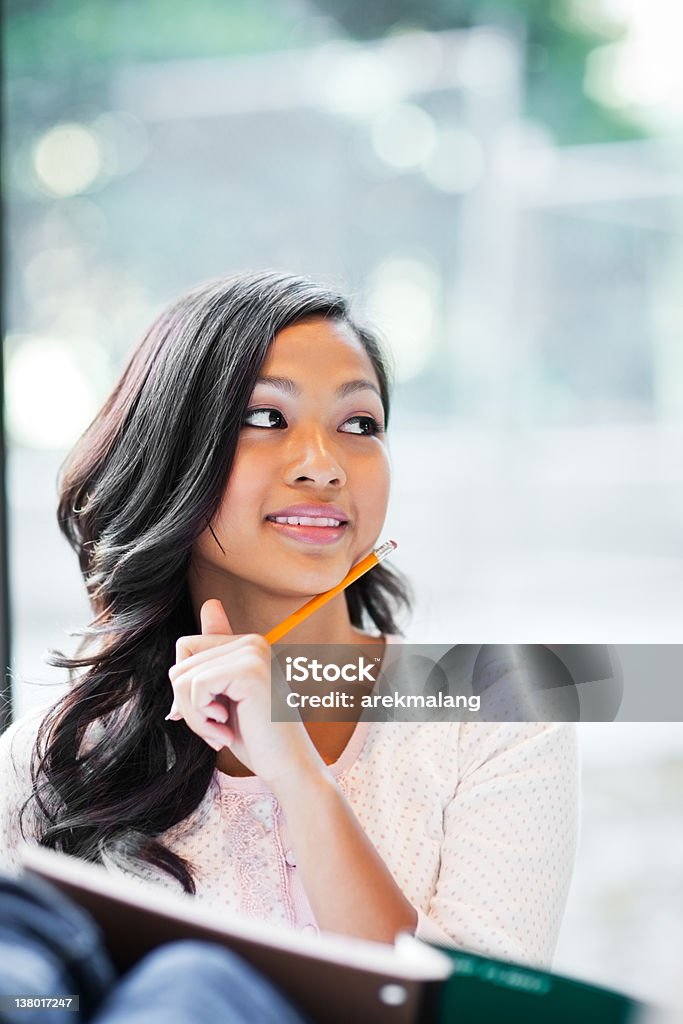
column 62, row 40
column 48, row 37
column 557, row 36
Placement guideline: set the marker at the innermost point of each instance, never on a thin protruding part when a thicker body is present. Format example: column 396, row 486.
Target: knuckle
column 180, row 686
column 247, row 664
column 198, row 688
column 202, row 690
column 256, row 664
column 258, row 643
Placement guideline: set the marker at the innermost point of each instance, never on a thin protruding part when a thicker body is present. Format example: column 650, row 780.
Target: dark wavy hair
column 140, row 486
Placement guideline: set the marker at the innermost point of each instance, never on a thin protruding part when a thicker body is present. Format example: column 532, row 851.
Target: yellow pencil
column 369, row 562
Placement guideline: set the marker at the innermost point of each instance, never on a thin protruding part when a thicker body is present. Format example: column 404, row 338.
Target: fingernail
column 173, row 715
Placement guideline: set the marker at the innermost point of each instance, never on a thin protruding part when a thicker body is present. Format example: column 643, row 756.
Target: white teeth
column 306, row 521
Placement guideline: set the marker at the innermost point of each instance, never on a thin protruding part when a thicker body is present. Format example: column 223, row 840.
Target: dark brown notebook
column 332, row 978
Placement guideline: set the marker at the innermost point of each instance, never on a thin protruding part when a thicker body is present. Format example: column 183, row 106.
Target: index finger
column 204, row 652
column 186, row 646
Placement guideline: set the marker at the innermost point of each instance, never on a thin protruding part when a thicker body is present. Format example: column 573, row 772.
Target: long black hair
column 140, row 486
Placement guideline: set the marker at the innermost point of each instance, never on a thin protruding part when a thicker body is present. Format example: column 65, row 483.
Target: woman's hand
column 221, row 687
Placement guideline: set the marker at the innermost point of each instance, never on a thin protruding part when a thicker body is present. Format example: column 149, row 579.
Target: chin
column 306, row 584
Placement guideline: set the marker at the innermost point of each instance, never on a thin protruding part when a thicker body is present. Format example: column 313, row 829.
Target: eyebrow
column 349, row 387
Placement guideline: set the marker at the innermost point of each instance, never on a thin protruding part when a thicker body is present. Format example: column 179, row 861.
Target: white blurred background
column 499, row 189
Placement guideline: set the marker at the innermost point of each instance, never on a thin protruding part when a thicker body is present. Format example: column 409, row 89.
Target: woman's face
column 308, row 492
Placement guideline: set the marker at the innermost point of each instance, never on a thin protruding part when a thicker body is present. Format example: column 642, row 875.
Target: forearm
column 349, row 887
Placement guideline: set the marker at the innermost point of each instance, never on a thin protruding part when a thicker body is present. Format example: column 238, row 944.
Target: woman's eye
column 265, row 418
column 367, row 425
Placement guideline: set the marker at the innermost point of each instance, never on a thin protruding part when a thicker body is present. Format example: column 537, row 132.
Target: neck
column 251, row 610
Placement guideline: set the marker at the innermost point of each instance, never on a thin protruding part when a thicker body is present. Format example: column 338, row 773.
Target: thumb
column 213, row 618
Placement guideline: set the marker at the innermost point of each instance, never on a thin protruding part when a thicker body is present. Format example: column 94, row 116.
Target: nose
column 312, row 459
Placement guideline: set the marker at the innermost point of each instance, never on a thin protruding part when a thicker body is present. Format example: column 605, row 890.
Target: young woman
column 239, row 467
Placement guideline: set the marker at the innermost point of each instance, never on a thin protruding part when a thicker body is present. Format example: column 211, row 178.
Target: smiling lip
column 311, row 524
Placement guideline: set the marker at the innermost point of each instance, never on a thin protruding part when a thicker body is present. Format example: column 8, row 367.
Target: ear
column 213, row 618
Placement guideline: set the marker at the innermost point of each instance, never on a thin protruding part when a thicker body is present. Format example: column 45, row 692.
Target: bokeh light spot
column 457, row 163
column 67, row 160
column 49, row 398
column 403, row 298
column 404, row 136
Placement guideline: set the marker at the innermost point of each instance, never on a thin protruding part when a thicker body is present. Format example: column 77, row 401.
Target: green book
column 484, row 991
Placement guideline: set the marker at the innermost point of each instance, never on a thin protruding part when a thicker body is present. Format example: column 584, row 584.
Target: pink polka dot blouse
column 477, row 823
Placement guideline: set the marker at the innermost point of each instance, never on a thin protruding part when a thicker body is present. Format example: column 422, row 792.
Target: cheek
column 383, row 482
column 243, row 495
column 375, row 490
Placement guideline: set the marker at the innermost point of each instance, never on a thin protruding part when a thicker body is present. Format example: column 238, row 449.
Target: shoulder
column 468, row 745
column 524, row 749
column 17, row 744
column 452, row 757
